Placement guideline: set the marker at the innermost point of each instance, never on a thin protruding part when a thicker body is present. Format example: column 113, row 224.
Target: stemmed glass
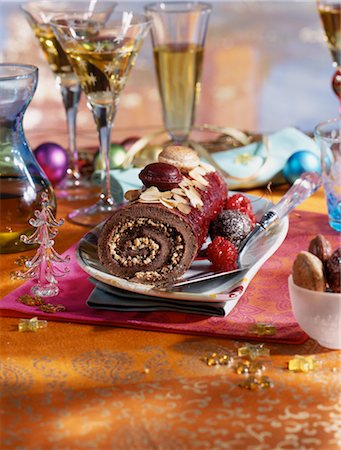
column 39, row 14
column 330, row 13
column 178, row 37
column 102, row 56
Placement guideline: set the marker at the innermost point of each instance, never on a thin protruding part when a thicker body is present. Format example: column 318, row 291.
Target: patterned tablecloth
column 80, row 386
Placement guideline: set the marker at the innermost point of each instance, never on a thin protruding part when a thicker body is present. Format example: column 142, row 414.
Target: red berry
column 242, row 204
column 222, row 254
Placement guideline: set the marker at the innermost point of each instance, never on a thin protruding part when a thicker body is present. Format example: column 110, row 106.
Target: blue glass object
column 299, row 162
column 328, row 136
column 22, row 180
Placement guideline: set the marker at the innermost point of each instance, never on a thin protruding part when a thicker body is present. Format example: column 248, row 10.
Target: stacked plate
column 215, row 297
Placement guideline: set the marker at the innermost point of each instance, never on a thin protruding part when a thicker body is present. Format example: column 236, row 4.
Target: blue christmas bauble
column 299, row 162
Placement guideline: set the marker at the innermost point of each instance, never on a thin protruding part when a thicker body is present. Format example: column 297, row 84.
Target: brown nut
column 333, row 269
column 164, row 176
column 184, row 158
column 307, row 272
column 320, row 247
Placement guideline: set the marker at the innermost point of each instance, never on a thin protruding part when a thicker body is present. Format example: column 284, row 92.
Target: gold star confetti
column 253, row 383
column 31, row 300
column 215, row 359
column 247, row 366
column 263, row 329
column 31, row 324
column 15, row 275
column 302, row 364
column 253, row 351
column 52, row 309
column 21, row 261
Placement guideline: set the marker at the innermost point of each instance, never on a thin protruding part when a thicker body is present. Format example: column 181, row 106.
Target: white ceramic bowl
column 318, row 314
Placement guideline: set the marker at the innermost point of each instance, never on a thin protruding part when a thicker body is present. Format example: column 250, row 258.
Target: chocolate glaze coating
column 232, row 225
column 333, row 271
column 164, row 176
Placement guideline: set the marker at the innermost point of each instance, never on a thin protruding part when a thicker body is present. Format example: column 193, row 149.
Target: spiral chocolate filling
column 153, row 248
column 144, row 243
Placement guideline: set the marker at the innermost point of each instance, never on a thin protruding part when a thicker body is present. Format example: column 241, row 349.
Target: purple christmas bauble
column 53, row 159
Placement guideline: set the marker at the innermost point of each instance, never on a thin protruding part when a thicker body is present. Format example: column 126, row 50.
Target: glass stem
column 104, row 139
column 71, row 96
column 104, row 116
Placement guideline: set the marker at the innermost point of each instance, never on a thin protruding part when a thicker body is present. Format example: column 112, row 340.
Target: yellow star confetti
column 302, row 363
column 247, row 366
column 31, row 300
column 255, row 382
column 263, row 329
column 52, row 309
column 31, row 324
column 214, row 359
column 253, row 351
column 21, row 261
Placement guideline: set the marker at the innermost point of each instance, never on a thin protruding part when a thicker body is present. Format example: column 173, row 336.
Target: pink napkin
column 265, row 301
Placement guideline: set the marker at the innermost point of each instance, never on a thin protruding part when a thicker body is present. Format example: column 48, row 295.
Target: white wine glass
column 74, row 186
column 330, row 14
column 102, row 56
column 178, row 36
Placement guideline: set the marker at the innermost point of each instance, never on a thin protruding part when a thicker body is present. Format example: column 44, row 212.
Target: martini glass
column 178, row 37
column 39, row 14
column 102, row 56
column 330, row 13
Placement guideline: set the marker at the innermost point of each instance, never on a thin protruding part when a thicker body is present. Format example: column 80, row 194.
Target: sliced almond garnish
column 132, row 195
column 185, row 209
column 207, row 167
column 197, row 176
column 199, row 185
column 194, row 197
column 199, row 170
column 168, row 203
column 179, row 191
column 180, row 199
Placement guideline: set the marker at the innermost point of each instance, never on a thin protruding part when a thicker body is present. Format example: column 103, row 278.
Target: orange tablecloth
column 76, row 386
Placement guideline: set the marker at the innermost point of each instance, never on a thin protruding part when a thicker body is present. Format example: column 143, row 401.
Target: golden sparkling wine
column 331, row 20
column 179, row 68
column 102, row 67
column 55, row 55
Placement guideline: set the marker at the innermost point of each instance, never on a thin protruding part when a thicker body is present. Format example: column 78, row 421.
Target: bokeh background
column 266, row 67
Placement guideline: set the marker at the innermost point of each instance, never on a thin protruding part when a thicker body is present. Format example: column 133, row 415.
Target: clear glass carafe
column 22, row 181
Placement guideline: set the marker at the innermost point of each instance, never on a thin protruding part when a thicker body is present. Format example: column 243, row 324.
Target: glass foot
column 45, row 290
column 92, row 215
column 73, row 188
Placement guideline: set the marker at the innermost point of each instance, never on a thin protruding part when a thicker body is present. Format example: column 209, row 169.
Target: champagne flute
column 102, row 57
column 178, row 37
column 330, row 14
column 39, row 14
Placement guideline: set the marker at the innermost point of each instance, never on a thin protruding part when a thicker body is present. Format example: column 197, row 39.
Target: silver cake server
column 303, row 188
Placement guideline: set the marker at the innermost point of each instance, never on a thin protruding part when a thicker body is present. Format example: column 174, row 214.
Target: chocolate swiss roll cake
column 154, row 238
